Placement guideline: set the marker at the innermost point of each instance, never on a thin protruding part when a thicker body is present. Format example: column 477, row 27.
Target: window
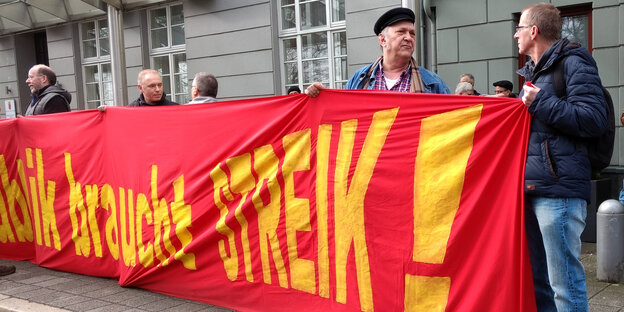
column 313, row 43
column 168, row 50
column 96, row 66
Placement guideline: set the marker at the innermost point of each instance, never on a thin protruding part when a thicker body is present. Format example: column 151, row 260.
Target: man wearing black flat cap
column 504, row 88
column 395, row 70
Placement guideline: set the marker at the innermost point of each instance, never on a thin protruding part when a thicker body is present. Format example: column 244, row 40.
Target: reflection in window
column 575, row 28
column 313, row 43
column 98, row 81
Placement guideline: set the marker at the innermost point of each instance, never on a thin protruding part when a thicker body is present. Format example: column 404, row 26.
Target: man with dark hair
column 504, row 89
column 47, row 97
column 558, row 171
column 150, row 85
column 396, row 69
column 204, row 88
column 293, row 90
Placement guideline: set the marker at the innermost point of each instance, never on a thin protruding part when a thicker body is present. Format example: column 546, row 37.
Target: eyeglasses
column 520, row 27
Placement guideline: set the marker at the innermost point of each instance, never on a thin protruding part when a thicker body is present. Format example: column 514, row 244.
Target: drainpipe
column 432, row 33
column 117, row 55
column 414, row 5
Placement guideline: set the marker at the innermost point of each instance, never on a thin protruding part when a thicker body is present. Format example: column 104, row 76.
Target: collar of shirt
column 402, row 86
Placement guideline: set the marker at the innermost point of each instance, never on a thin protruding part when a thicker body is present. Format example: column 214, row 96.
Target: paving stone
column 67, row 299
column 34, row 293
column 53, row 281
column 87, row 305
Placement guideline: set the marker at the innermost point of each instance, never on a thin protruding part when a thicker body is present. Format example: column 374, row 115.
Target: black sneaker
column 7, row 269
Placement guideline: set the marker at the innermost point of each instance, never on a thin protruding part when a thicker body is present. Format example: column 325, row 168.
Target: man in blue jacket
column 558, row 171
column 395, row 70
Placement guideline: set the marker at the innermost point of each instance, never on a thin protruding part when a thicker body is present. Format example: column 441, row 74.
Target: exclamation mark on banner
column 445, row 145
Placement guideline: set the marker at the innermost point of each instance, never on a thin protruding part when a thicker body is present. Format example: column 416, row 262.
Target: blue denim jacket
column 432, row 83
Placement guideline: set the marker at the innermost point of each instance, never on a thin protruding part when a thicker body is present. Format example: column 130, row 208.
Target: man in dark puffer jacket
column 558, row 172
column 47, row 97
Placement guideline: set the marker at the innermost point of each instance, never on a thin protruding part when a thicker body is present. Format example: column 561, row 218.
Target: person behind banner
column 204, row 88
column 469, row 78
column 396, row 69
column 151, row 87
column 464, row 88
column 47, row 96
column 504, row 89
column 558, row 170
column 294, row 90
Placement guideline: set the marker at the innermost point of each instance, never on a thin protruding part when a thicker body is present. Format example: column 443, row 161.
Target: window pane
column 177, row 15
column 167, row 85
column 314, row 45
column 287, row 2
column 159, row 38
column 93, row 93
column 91, row 74
column 340, row 68
column 290, row 49
column 288, row 17
column 292, row 73
column 103, row 28
column 575, row 28
column 107, row 91
column 88, row 30
column 159, row 18
column 106, row 72
column 180, row 83
column 177, row 35
column 161, row 64
column 340, row 43
column 338, row 13
column 315, row 71
column 179, row 61
column 104, row 47
column 89, row 49
column 313, row 14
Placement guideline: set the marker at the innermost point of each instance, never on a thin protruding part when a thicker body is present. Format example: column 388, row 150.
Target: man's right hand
column 314, row 89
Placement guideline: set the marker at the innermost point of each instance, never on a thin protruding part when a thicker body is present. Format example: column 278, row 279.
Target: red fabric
column 132, row 150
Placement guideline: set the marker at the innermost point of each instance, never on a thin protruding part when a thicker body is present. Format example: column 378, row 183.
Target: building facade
column 260, row 48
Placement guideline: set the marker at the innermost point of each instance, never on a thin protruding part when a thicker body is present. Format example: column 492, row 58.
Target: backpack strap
column 559, row 79
column 369, row 73
column 50, row 95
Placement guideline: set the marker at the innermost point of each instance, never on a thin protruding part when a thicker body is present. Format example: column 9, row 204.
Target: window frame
column 330, row 28
column 98, row 60
column 169, row 51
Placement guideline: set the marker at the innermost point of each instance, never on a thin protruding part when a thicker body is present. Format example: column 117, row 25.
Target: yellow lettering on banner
column 80, row 233
column 181, row 214
column 33, row 193
column 242, row 181
column 424, row 293
column 266, row 164
column 322, row 169
column 46, row 199
column 161, row 222
column 349, row 205
column 92, row 203
column 128, row 237
column 146, row 251
column 445, row 144
column 443, row 150
column 6, row 234
column 297, row 158
column 23, row 230
column 230, row 263
column 107, row 200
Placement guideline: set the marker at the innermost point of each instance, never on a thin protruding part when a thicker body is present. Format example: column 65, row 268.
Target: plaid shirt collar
column 402, row 86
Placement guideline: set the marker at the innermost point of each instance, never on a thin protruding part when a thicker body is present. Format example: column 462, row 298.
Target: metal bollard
column 610, row 241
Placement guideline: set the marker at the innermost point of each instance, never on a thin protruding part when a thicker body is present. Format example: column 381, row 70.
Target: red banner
column 349, row 201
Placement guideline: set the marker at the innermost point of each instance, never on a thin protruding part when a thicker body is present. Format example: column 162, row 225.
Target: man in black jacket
column 151, row 87
column 47, row 97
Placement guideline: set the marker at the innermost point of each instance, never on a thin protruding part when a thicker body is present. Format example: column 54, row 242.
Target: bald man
column 47, row 97
column 151, row 87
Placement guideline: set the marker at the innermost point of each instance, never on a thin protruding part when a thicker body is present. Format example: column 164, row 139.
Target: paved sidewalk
column 36, row 289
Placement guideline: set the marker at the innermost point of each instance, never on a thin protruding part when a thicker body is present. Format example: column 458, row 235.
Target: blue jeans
column 554, row 227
